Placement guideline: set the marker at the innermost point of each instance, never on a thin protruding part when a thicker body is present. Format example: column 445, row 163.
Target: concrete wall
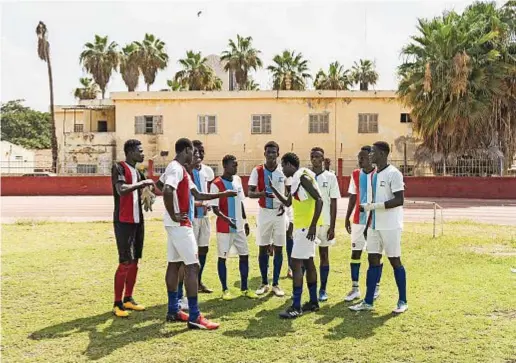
column 15, row 159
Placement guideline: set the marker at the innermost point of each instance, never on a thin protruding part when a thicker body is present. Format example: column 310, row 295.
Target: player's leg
column 242, row 248
column 187, row 248
column 324, row 260
column 294, row 310
column 289, row 245
column 392, row 240
column 123, row 235
column 203, row 241
column 265, row 229
column 223, row 247
column 374, row 249
column 311, row 284
column 174, row 312
column 132, row 273
column 358, row 243
column 279, row 238
column 183, row 301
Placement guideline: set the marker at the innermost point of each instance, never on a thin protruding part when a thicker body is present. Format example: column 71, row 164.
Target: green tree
column 459, row 79
column 289, row 71
column 251, row 85
column 44, row 54
column 88, row 91
column 24, row 126
column 196, row 74
column 364, row 74
column 337, row 78
column 240, row 58
column 152, row 58
column 100, row 59
column 130, row 65
column 174, row 85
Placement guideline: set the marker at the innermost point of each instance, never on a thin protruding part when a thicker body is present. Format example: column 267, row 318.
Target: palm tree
column 130, row 65
column 337, row 78
column 290, row 71
column 44, row 55
column 196, row 74
column 152, row 58
column 240, row 58
column 459, row 79
column 364, row 74
column 174, row 85
column 251, row 85
column 88, row 91
column 100, row 59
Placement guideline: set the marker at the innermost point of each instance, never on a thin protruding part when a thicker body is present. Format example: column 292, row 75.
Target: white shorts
column 225, row 241
column 271, row 228
column 181, row 245
column 303, row 248
column 390, row 241
column 322, row 234
column 358, row 240
column 202, row 231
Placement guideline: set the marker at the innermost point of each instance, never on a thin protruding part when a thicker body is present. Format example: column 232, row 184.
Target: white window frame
column 141, row 127
column 367, row 123
column 261, row 124
column 319, row 123
column 206, row 124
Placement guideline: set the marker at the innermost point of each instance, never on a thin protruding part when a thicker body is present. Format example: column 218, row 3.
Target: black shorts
column 129, row 241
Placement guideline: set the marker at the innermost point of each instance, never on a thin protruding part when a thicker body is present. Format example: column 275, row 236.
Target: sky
column 324, row 31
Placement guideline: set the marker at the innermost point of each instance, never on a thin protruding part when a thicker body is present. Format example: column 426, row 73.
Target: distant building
column 228, row 78
column 15, row 159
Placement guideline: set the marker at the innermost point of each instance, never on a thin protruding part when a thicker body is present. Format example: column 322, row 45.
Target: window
column 206, row 124
column 319, row 123
column 78, row 128
column 148, row 124
column 367, row 123
column 261, row 124
column 18, row 158
column 405, row 118
column 102, row 126
column 86, row 169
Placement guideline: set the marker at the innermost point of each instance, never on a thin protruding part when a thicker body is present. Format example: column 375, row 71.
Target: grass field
column 57, row 295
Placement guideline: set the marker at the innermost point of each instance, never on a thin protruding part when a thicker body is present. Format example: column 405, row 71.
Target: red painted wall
column 430, row 187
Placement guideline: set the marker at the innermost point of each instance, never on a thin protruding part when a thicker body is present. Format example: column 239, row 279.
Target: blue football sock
column 324, row 271
column 290, row 245
column 180, row 290
column 296, row 301
column 355, row 271
column 401, row 280
column 202, row 262
column 221, row 268
column 278, row 262
column 173, row 303
column 263, row 262
column 312, row 289
column 371, row 280
column 243, row 266
column 193, row 308
column 380, row 274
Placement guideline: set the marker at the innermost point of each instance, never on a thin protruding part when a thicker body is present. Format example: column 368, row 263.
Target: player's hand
column 146, row 183
column 246, row 229
column 229, row 193
column 179, row 217
column 270, row 249
column 231, row 222
column 281, row 210
column 331, row 234
column 366, row 207
column 348, row 226
column 272, row 188
column 311, row 233
column 148, row 198
column 290, row 229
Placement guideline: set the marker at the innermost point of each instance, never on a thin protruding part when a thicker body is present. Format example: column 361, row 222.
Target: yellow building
column 237, row 123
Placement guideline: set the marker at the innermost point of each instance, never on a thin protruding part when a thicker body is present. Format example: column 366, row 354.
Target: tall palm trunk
column 54, row 135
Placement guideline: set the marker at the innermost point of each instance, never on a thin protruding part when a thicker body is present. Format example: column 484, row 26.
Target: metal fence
column 460, row 167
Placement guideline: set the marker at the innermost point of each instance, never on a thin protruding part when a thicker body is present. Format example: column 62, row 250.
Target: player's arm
column 351, row 205
column 160, row 185
column 121, row 186
column 168, row 200
column 397, row 187
column 314, row 193
column 226, row 219
column 210, row 196
column 252, row 189
column 397, row 201
column 286, row 200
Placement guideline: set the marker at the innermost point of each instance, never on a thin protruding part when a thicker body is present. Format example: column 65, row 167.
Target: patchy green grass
column 57, row 296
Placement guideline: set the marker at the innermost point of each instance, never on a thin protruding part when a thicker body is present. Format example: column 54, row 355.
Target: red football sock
column 120, row 277
column 130, row 280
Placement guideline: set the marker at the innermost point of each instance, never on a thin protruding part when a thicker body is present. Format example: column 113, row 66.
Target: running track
column 100, row 208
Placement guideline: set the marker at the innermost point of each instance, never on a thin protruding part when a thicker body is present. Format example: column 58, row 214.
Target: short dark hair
column 290, row 158
column 131, row 145
column 366, row 148
column 271, row 144
column 328, row 159
column 196, row 143
column 317, row 148
column 226, row 159
column 382, row 146
column 182, row 144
